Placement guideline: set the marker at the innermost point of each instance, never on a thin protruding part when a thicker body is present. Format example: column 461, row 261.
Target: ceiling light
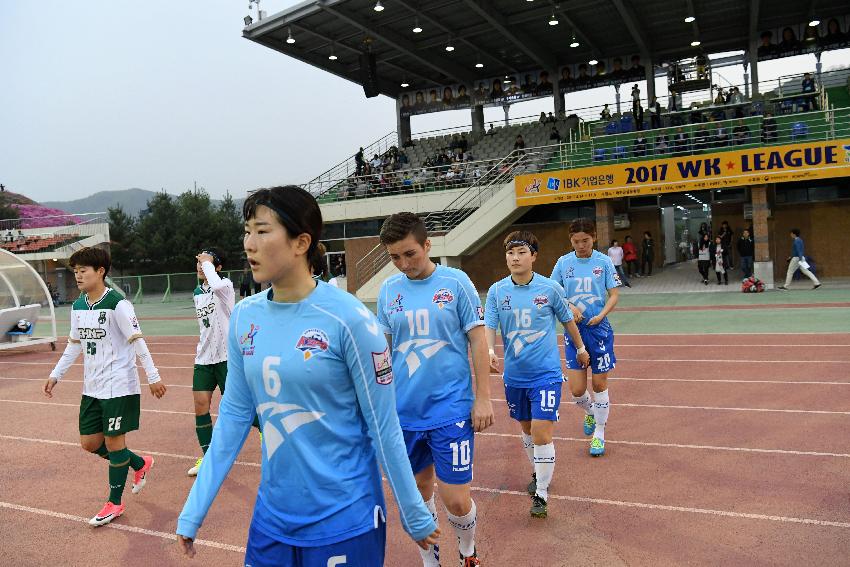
column 592, row 62
column 506, row 80
column 574, row 42
column 479, row 65
column 289, row 39
column 332, row 56
column 450, row 47
column 814, row 23
column 689, row 19
column 405, row 84
column 553, row 21
column 695, row 43
column 416, row 28
column 378, row 6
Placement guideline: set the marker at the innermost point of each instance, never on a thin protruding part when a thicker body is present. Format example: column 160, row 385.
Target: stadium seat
column 600, row 154
column 799, row 131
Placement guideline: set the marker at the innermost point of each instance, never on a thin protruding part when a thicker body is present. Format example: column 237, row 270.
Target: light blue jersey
column 319, row 376
column 428, row 320
column 526, row 316
column 587, row 281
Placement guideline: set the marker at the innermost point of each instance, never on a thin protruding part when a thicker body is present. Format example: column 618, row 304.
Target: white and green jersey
column 214, row 301
column 106, row 329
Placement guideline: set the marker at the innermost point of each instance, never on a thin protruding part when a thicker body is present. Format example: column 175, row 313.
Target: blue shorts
column 599, row 341
column 365, row 550
column 541, row 402
column 448, row 448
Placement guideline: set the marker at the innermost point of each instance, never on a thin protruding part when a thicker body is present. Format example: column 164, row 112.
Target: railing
column 454, row 213
column 327, row 179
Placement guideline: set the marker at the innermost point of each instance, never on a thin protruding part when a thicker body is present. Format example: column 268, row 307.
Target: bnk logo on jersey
column 87, row 333
column 247, row 340
column 101, row 319
column 383, row 367
column 312, row 342
column 540, row 301
column 443, row 297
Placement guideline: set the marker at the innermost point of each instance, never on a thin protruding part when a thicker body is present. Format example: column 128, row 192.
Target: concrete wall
column 823, row 226
column 379, row 207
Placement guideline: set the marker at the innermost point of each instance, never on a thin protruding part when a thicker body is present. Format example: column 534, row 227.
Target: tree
column 231, row 231
column 155, row 235
column 7, row 211
column 122, row 228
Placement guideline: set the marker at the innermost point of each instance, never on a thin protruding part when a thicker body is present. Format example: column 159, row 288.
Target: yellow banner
column 718, row 170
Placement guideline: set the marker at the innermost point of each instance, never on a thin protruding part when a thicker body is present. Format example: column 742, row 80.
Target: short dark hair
column 583, row 224
column 216, row 255
column 92, row 257
column 295, row 209
column 795, row 231
column 399, row 225
column 522, row 237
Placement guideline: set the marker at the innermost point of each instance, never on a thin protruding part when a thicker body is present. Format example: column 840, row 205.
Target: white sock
column 529, row 447
column 431, row 556
column 544, row 467
column 600, row 412
column 465, row 530
column 584, row 403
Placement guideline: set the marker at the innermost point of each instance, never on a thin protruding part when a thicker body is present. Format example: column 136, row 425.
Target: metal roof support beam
column 447, row 68
column 752, row 45
column 693, row 12
column 576, row 28
column 523, row 41
column 635, row 29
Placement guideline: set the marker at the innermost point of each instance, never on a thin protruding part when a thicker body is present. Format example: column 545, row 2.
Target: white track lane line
column 80, row 364
column 708, row 380
column 122, row 527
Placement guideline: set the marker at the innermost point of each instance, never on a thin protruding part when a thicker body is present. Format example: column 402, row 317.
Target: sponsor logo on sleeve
column 383, row 367
column 313, row 342
column 247, row 340
column 443, row 297
column 480, row 311
column 617, row 279
column 135, row 323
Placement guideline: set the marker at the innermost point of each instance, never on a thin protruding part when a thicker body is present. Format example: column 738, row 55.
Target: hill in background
column 131, row 200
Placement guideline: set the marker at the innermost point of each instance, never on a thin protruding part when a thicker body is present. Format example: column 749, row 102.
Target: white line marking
column 627, row 405
column 686, row 446
column 65, row 380
column 77, row 406
column 726, row 361
column 718, row 380
column 142, row 451
column 747, row 345
column 122, row 527
column 724, row 513
column 80, row 364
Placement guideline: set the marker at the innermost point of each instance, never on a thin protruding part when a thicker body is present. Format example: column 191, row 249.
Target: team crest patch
column 443, row 297
column 135, row 323
column 313, row 342
column 506, row 303
column 540, row 301
column 101, row 319
column 396, row 304
column 247, row 340
column 383, row 367
column 597, row 271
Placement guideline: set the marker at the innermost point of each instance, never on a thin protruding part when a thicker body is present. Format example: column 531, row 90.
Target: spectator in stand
column 655, row 116
column 702, row 66
column 551, row 118
column 635, row 100
column 605, row 114
column 704, row 256
column 542, row 119
column 519, row 145
column 721, row 137
column 492, row 130
column 661, row 145
column 639, row 149
column 376, row 162
column 808, row 86
column 741, row 133
column 9, row 237
column 796, row 260
column 726, row 235
column 647, row 254
column 358, row 162
column 464, row 143
column 630, row 257
column 701, row 138
column 720, row 99
column 615, row 252
column 789, row 41
column 554, row 135
column 719, row 256
column 746, row 252
column 638, row 117
column 769, row 129
column 681, row 142
column 21, row 235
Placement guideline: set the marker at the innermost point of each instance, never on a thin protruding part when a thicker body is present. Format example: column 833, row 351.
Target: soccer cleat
column 597, row 447
column 108, row 513
column 539, row 508
column 816, row 286
column 589, row 424
column 532, row 486
column 782, row 287
column 194, row 470
column 140, row 477
column 471, row 561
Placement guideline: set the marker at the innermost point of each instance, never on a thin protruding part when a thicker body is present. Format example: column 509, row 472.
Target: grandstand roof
column 512, row 36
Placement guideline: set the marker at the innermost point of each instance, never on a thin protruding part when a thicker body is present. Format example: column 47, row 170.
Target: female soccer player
column 434, row 317
column 105, row 329
column 590, row 280
column 311, row 361
column 525, row 307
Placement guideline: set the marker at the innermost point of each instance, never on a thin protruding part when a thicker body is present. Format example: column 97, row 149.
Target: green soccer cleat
column 539, row 507
column 532, row 486
column 597, row 447
column 589, row 424
column 194, row 470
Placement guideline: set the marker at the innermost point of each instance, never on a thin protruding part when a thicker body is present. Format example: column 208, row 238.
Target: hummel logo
column 295, row 418
column 523, row 338
column 426, row 347
column 372, row 325
column 461, row 423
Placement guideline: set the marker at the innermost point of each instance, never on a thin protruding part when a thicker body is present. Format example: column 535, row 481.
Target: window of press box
column 826, row 190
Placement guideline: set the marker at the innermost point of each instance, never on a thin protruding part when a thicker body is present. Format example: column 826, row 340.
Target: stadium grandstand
column 631, row 163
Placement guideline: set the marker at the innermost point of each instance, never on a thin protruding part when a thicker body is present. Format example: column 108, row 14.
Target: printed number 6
column 271, row 379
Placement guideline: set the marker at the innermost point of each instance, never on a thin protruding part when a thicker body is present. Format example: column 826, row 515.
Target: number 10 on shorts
column 461, row 455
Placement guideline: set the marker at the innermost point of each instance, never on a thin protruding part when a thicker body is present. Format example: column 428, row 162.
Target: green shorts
column 112, row 417
column 207, row 376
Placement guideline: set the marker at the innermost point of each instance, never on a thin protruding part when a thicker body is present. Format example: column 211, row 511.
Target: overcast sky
column 106, row 95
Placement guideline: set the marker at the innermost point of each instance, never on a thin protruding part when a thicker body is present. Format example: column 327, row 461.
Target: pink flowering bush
column 38, row 216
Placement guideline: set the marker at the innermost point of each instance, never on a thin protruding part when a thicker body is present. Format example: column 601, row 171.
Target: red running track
column 721, row 449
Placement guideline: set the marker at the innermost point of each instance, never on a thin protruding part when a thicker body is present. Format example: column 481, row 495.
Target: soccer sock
column 465, row 530
column 203, row 427
column 544, row 467
column 584, row 403
column 135, row 461
column 102, row 451
column 119, row 463
column 529, row 447
column 431, row 556
column 600, row 412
